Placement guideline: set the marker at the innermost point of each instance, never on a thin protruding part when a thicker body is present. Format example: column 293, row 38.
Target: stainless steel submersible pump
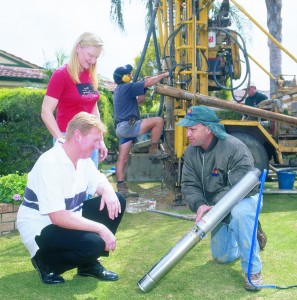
column 198, row 232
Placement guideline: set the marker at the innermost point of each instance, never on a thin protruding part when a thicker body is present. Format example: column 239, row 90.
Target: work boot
column 155, row 153
column 261, row 236
column 256, row 280
column 123, row 189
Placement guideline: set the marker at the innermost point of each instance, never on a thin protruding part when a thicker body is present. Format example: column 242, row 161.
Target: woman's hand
column 103, row 151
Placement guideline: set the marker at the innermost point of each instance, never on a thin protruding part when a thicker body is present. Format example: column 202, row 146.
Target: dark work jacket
column 208, row 175
column 255, row 100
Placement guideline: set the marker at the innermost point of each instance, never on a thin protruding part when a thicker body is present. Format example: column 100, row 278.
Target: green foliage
column 228, row 115
column 225, row 94
column 12, row 188
column 23, row 136
column 105, row 106
column 239, row 20
column 148, row 68
column 50, row 67
column 20, row 103
column 149, row 65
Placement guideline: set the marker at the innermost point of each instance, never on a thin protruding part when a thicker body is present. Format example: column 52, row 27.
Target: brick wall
column 8, row 213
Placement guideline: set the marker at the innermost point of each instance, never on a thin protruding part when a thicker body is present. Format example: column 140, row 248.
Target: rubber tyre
column 257, row 149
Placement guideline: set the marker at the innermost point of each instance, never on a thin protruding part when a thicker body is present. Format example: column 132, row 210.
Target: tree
column 116, row 12
column 274, row 23
column 50, row 67
column 149, row 68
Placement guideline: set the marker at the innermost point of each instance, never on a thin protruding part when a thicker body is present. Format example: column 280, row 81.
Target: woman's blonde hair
column 87, row 39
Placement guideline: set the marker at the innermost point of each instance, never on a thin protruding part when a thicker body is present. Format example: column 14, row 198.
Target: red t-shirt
column 72, row 97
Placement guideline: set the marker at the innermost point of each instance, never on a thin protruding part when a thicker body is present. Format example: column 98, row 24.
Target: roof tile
column 17, row 72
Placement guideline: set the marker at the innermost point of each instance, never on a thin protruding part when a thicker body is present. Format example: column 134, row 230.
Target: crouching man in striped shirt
column 59, row 228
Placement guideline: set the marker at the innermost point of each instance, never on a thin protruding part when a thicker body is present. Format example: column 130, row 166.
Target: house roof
column 11, row 60
column 20, row 73
column 108, row 84
column 15, row 70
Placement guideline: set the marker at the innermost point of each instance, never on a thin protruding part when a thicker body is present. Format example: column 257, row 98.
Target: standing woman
column 73, row 89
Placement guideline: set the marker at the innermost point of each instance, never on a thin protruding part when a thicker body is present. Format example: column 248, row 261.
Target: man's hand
column 108, row 237
column 155, row 79
column 110, row 199
column 201, row 211
column 70, row 220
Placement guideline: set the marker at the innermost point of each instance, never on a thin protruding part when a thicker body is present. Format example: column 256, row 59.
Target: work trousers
column 234, row 240
column 62, row 249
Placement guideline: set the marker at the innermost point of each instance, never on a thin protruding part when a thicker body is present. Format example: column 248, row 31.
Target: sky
column 35, row 30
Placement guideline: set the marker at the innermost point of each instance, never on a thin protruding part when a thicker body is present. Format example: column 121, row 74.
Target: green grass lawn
column 142, row 240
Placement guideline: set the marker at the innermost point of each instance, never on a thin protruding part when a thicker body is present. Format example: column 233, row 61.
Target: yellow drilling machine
column 195, row 42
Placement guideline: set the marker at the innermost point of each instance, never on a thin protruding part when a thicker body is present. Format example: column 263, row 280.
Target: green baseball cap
column 204, row 115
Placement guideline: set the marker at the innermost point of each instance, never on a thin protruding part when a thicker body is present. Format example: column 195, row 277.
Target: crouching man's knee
column 224, row 259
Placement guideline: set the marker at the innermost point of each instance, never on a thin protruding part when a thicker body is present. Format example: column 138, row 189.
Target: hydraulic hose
column 242, row 48
column 148, row 37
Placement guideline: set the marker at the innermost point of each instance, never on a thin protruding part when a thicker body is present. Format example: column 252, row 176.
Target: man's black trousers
column 63, row 249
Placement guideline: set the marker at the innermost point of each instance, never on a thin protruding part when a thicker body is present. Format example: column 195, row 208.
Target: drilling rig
column 196, row 44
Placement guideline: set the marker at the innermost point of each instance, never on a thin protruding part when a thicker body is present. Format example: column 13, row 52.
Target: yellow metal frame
column 189, row 44
column 189, row 41
column 194, row 37
column 256, row 124
column 245, row 125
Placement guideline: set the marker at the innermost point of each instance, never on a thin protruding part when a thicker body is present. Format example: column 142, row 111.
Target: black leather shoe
column 46, row 277
column 98, row 271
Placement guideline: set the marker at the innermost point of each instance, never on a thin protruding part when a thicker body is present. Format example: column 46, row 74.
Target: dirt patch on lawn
column 154, row 195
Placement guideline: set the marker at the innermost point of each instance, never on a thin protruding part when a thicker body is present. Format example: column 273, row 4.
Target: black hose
column 148, row 37
column 158, row 61
column 242, row 48
column 171, row 38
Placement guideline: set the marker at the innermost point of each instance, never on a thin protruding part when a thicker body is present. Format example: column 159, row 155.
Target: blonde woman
column 73, row 89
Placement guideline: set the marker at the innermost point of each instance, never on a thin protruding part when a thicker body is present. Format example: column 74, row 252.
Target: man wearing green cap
column 214, row 162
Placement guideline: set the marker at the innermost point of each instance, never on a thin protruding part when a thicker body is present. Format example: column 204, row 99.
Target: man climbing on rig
column 127, row 97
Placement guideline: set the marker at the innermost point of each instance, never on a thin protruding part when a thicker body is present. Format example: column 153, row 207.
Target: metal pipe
column 275, row 41
column 278, row 191
column 148, row 37
column 175, row 215
column 261, row 67
column 216, row 102
column 273, row 168
column 198, row 232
